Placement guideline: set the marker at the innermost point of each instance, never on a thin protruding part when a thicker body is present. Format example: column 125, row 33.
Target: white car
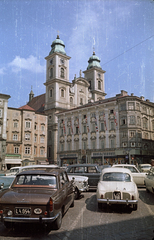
column 144, row 167
column 137, row 175
column 80, row 182
column 149, row 180
column 116, row 186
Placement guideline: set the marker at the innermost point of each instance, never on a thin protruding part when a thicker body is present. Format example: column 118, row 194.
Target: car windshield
column 35, row 181
column 116, row 176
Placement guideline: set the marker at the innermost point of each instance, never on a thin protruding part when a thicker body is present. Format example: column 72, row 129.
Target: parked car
column 137, row 175
column 92, row 171
column 144, row 167
column 13, row 171
column 37, row 196
column 80, row 182
column 149, row 180
column 116, row 186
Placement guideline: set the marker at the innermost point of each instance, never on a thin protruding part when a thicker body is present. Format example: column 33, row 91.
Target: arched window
column 99, row 85
column 62, row 92
column 50, row 93
column 51, row 73
column 62, row 73
column 71, row 100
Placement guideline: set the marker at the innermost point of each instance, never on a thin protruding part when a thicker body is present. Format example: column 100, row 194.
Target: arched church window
column 99, row 85
column 50, row 93
column 62, row 73
column 62, row 92
column 51, row 73
column 71, row 100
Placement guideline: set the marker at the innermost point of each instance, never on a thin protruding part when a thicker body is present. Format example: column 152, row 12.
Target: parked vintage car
column 80, row 182
column 116, row 186
column 149, row 180
column 144, row 167
column 137, row 175
column 37, row 196
column 92, row 171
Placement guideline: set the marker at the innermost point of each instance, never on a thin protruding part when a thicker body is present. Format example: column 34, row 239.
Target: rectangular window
column 27, row 124
column 111, row 111
column 132, row 120
column 42, row 127
column 69, row 131
column 69, row 146
column 35, row 150
column 27, row 136
column 42, row 140
column 81, row 101
column 93, row 144
column 131, row 105
column 84, row 129
column 112, row 143
column 84, row 145
column 138, row 121
column 62, row 147
column 15, row 125
column 15, row 137
column 132, row 134
column 102, row 126
column 41, row 151
column 77, row 130
column 102, row 144
column 112, row 124
column 35, row 138
column 27, row 150
column 16, row 150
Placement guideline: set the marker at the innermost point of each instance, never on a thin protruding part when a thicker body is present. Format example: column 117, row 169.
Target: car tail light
column 51, row 205
column 132, row 197
column 45, row 213
column 1, row 211
column 101, row 196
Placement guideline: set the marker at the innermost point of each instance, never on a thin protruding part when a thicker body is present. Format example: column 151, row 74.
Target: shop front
column 68, row 159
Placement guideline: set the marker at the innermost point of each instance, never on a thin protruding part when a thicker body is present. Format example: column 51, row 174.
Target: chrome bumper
column 118, row 201
column 29, row 219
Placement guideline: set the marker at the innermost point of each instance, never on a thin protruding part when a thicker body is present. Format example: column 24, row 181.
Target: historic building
column 3, row 122
column 26, row 137
column 61, row 94
column 115, row 130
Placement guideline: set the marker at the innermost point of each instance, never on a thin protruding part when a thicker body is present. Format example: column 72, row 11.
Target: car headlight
column 9, row 213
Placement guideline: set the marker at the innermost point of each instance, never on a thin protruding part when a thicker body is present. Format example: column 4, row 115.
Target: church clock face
column 62, row 61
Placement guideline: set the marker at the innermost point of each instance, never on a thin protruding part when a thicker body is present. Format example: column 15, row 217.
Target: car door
column 137, row 176
column 93, row 175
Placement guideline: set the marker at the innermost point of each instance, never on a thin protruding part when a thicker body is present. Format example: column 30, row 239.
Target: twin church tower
column 61, row 94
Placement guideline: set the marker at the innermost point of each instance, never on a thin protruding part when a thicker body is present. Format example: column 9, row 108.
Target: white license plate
column 23, row 211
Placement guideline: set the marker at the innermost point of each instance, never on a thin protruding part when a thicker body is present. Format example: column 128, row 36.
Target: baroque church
column 61, row 94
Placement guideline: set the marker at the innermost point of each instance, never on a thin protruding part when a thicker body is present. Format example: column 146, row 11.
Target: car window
column 116, row 176
column 35, row 180
column 79, row 170
column 132, row 169
column 92, row 169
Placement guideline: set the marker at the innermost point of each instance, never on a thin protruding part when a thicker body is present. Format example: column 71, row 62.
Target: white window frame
column 27, row 150
column 15, row 137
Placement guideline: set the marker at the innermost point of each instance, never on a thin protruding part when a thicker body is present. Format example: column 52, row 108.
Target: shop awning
column 12, row 161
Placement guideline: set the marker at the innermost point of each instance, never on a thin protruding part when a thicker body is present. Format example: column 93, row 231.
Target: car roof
column 54, row 171
column 129, row 165
column 123, row 170
column 83, row 165
column 38, row 166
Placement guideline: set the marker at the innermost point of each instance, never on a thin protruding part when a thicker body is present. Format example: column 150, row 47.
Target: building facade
column 3, row 123
column 113, row 130
column 26, row 137
column 61, row 94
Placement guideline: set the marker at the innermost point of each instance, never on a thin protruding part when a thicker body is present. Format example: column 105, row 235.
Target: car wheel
column 135, row 207
column 77, row 194
column 57, row 223
column 8, row 224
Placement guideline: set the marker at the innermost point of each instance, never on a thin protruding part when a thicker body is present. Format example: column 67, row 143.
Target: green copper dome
column 57, row 46
column 94, row 62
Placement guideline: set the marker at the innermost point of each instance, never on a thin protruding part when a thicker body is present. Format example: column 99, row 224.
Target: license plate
column 117, row 195
column 23, row 211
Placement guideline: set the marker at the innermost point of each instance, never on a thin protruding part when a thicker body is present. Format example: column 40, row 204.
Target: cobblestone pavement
column 86, row 222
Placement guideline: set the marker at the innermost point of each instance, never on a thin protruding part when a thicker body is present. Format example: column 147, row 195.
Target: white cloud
column 31, row 64
column 2, row 71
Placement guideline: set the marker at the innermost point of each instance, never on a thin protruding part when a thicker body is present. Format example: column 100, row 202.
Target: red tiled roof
column 26, row 107
column 38, row 103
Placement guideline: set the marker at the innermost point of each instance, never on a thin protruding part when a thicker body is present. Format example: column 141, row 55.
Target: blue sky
column 120, row 31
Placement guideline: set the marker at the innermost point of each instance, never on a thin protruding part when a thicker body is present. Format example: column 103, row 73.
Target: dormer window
column 62, row 73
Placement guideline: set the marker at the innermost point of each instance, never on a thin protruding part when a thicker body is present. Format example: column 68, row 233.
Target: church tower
column 95, row 76
column 57, row 91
